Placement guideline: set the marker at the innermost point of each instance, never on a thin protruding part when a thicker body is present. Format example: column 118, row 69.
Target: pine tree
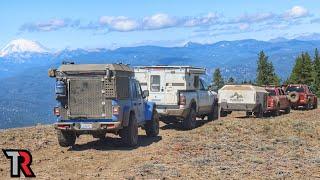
column 217, row 79
column 265, row 72
column 302, row 72
column 230, row 80
column 316, row 64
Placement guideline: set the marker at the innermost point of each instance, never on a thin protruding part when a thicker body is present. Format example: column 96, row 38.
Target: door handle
column 134, row 104
column 139, row 103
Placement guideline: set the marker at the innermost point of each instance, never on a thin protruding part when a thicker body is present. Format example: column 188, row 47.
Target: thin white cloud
column 296, row 12
column 206, row 22
column 119, row 23
column 208, row 19
column 253, row 18
column 159, row 21
column 51, row 25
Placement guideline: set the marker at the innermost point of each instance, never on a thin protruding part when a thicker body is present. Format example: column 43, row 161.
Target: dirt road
column 234, row 147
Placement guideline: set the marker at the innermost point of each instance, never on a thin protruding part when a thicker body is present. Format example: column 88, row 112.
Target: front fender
column 149, row 106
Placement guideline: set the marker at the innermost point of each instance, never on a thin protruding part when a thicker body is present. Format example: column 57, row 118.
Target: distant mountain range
column 26, row 93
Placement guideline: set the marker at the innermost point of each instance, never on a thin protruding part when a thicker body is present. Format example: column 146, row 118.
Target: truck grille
column 87, row 100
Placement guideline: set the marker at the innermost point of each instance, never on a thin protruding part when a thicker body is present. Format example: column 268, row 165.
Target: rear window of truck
column 155, row 83
column 294, row 89
column 271, row 92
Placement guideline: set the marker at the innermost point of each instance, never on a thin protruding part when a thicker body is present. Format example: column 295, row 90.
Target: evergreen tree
column 217, row 79
column 231, row 80
column 265, row 71
column 302, row 72
column 316, row 72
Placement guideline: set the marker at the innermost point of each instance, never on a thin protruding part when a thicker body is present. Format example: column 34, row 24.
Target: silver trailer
column 249, row 98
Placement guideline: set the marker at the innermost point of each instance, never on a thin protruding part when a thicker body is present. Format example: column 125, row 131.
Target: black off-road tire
column 308, row 106
column 190, row 121
column 223, row 113
column 213, row 115
column 287, row 110
column 129, row 134
column 276, row 112
column 152, row 126
column 248, row 113
column 259, row 113
column 66, row 138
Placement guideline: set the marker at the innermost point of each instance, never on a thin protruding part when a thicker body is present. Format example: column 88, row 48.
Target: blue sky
column 108, row 24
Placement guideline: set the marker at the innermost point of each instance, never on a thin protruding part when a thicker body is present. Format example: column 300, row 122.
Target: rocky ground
column 234, row 147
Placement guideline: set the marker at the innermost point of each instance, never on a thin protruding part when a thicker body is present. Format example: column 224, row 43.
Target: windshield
column 294, row 89
column 271, row 92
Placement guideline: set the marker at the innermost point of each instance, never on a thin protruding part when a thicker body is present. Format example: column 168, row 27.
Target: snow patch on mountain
column 22, row 46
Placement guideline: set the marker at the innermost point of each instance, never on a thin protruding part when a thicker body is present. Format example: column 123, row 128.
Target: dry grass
column 234, row 147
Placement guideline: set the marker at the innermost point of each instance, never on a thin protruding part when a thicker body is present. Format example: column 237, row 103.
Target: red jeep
column 277, row 101
column 300, row 95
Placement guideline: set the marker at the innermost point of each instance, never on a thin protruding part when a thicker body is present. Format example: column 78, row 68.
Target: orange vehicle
column 277, row 101
column 301, row 96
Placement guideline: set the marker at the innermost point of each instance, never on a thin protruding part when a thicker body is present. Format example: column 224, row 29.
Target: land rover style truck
column 101, row 98
column 179, row 92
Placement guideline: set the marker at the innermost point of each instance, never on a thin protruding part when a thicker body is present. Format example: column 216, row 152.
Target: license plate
column 86, row 126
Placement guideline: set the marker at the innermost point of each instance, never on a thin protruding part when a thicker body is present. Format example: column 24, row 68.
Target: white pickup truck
column 179, row 93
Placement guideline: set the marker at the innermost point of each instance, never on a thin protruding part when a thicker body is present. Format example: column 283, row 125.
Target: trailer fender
column 149, row 106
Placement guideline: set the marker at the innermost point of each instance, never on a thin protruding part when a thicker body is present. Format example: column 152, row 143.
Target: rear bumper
column 94, row 126
column 172, row 110
column 237, row 107
column 271, row 109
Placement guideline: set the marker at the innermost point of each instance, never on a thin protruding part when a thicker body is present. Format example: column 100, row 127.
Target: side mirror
column 145, row 93
column 52, row 73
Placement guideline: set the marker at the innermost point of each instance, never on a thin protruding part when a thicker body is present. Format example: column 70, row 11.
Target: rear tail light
column 270, row 102
column 63, row 126
column 303, row 97
column 116, row 110
column 182, row 100
column 56, row 111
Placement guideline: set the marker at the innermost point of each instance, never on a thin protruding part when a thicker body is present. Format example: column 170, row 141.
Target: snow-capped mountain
column 22, row 46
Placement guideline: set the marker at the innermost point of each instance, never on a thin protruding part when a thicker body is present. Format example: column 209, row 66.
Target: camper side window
column 196, row 82
column 155, row 83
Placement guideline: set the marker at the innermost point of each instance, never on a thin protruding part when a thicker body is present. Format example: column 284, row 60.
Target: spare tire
column 293, row 97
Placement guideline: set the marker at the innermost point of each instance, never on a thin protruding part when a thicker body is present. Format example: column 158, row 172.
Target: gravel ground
column 234, row 147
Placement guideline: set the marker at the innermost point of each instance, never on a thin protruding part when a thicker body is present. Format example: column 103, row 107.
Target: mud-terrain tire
column 276, row 112
column 66, row 138
column 259, row 113
column 129, row 134
column 293, row 97
column 152, row 126
column 213, row 115
column 190, row 122
column 308, row 106
column 287, row 110
column 248, row 113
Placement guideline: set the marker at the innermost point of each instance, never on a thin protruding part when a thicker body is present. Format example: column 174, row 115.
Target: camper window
column 196, row 82
column 155, row 83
